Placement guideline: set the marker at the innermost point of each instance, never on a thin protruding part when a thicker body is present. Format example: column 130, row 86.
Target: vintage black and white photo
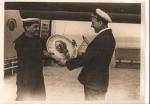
column 73, row 51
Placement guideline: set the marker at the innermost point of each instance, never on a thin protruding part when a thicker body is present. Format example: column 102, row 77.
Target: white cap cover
column 103, row 15
column 30, row 19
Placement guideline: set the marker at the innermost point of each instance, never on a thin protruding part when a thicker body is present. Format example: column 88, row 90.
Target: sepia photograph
column 74, row 52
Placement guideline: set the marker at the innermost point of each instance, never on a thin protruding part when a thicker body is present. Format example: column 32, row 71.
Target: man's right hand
column 47, row 53
column 62, row 62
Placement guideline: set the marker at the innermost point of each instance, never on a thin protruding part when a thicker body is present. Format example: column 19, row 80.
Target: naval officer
column 95, row 62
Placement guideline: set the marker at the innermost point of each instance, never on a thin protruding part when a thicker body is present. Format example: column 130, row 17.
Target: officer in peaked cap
column 95, row 61
column 30, row 79
column 100, row 14
column 100, row 17
column 29, row 21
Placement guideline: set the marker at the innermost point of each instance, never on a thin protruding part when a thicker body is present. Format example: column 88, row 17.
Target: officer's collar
column 102, row 31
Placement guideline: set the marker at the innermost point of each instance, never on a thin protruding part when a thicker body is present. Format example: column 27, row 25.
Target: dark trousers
column 94, row 94
column 30, row 94
column 30, row 87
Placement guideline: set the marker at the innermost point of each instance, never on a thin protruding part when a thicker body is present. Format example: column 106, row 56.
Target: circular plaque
column 61, row 47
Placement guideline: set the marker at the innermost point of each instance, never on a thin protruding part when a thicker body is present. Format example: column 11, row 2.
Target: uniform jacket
column 95, row 61
column 29, row 75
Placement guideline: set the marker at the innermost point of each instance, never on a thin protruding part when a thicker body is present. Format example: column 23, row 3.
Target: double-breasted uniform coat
column 95, row 61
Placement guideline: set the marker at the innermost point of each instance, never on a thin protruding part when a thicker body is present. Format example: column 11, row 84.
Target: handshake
column 60, row 61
